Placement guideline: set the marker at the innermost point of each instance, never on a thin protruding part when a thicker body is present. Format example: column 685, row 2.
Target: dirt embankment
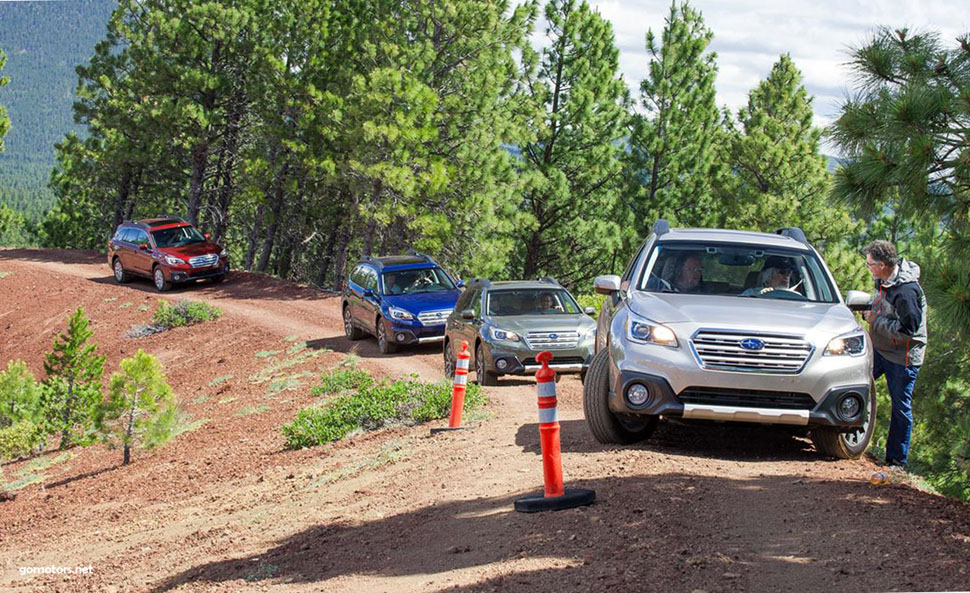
column 225, row 507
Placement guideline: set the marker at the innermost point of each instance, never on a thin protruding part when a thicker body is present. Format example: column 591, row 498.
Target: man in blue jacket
column 897, row 324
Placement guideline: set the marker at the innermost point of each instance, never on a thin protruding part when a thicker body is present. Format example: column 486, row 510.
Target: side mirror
column 857, row 300
column 606, row 284
column 207, row 236
column 468, row 314
column 143, row 246
column 590, row 311
column 460, row 284
column 367, row 292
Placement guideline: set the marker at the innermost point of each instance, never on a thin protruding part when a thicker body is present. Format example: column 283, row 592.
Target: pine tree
column 4, row 120
column 72, row 392
column 674, row 162
column 572, row 168
column 19, row 394
column 140, row 408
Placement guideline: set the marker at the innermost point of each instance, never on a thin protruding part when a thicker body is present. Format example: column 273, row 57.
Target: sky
column 750, row 35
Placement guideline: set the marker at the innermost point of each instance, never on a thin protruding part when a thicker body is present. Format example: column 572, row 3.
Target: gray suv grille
column 541, row 340
column 204, row 261
column 434, row 317
column 723, row 351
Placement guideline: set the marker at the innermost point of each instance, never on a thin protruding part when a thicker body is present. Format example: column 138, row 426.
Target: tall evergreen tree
column 674, row 153
column 4, row 120
column 72, row 391
column 906, row 137
column 571, row 166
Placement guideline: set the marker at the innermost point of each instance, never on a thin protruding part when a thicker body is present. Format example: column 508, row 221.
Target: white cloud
column 749, row 35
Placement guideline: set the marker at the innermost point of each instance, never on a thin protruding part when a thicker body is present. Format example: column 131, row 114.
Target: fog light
column 401, row 337
column 849, row 407
column 501, row 364
column 638, row 394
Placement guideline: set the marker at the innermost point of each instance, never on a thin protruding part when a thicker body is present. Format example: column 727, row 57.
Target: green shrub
column 19, row 394
column 184, row 313
column 19, row 439
column 340, row 379
column 373, row 406
column 590, row 300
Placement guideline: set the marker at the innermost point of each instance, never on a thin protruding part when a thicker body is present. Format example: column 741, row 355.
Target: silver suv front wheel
column 607, row 427
column 847, row 445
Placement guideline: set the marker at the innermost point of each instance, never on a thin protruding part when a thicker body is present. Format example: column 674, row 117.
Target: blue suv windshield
column 416, row 281
column 737, row 270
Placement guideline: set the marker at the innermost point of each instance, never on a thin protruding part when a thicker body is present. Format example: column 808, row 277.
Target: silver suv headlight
column 645, row 331
column 505, row 335
column 852, row 344
column 399, row 313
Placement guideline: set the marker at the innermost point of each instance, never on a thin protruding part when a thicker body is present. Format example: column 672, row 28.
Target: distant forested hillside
column 44, row 42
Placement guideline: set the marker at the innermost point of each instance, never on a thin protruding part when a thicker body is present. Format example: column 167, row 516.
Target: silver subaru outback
column 732, row 326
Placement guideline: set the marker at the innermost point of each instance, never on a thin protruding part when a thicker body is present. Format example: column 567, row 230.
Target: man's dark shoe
column 894, row 465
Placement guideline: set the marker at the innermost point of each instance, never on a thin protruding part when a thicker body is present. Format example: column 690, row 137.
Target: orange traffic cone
column 458, row 391
column 554, row 497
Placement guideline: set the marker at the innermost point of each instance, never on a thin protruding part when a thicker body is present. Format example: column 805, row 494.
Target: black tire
column 121, row 276
column 450, row 359
column 607, row 427
column 582, row 376
column 847, row 445
column 350, row 330
column 386, row 346
column 485, row 377
column 158, row 278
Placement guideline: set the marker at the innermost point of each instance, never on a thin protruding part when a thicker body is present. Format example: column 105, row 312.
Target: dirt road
column 225, row 507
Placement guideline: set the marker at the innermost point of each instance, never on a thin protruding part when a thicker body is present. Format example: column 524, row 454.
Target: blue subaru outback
column 400, row 299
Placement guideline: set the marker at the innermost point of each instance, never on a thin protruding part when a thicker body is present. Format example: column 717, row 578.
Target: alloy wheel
column 159, row 279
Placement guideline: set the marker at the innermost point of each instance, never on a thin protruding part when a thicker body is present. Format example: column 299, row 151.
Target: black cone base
column 570, row 499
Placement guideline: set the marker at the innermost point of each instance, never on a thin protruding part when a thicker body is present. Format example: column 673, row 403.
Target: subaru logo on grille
column 553, row 336
column 752, row 344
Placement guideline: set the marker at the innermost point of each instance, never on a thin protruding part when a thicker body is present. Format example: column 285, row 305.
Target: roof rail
column 661, row 227
column 171, row 217
column 367, row 258
column 795, row 233
column 548, row 280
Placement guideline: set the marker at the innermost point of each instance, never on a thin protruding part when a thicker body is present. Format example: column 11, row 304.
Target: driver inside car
column 776, row 275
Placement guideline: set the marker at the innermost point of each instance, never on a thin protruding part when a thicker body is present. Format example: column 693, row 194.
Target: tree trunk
column 121, row 200
column 343, row 242
column 327, row 258
column 228, row 165
column 66, row 429
column 275, row 215
column 200, row 161
column 254, row 236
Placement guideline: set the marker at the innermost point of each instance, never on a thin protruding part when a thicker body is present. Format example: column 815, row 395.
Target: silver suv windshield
column 530, row 301
column 736, row 270
column 415, row 281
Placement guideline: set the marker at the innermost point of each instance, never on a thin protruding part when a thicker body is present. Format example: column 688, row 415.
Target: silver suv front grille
column 552, row 340
column 204, row 261
column 723, row 351
column 434, row 317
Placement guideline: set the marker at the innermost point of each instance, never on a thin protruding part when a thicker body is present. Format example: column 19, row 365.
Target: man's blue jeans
column 901, row 380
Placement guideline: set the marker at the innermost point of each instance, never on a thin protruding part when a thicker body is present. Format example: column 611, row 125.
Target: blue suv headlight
column 396, row 313
column 644, row 331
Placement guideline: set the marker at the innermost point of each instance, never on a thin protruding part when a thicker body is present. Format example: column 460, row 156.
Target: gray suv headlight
column 645, row 331
column 505, row 335
column 852, row 344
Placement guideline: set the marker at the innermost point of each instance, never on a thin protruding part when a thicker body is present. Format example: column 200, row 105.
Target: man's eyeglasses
column 875, row 264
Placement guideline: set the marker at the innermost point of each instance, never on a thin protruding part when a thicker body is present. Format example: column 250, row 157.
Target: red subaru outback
column 166, row 249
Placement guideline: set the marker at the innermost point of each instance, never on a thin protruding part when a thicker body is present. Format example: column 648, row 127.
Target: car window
column 531, row 301
column 736, row 270
column 175, row 236
column 138, row 236
column 357, row 275
column 123, row 235
column 370, row 278
column 476, row 304
column 464, row 299
column 416, row 281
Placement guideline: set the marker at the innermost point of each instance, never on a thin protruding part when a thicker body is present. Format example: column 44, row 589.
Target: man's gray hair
column 882, row 251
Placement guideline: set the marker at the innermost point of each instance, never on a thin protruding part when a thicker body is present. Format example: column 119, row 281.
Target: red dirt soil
column 225, row 507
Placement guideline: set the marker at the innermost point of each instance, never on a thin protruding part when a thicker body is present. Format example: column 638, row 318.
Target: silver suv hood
column 751, row 314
